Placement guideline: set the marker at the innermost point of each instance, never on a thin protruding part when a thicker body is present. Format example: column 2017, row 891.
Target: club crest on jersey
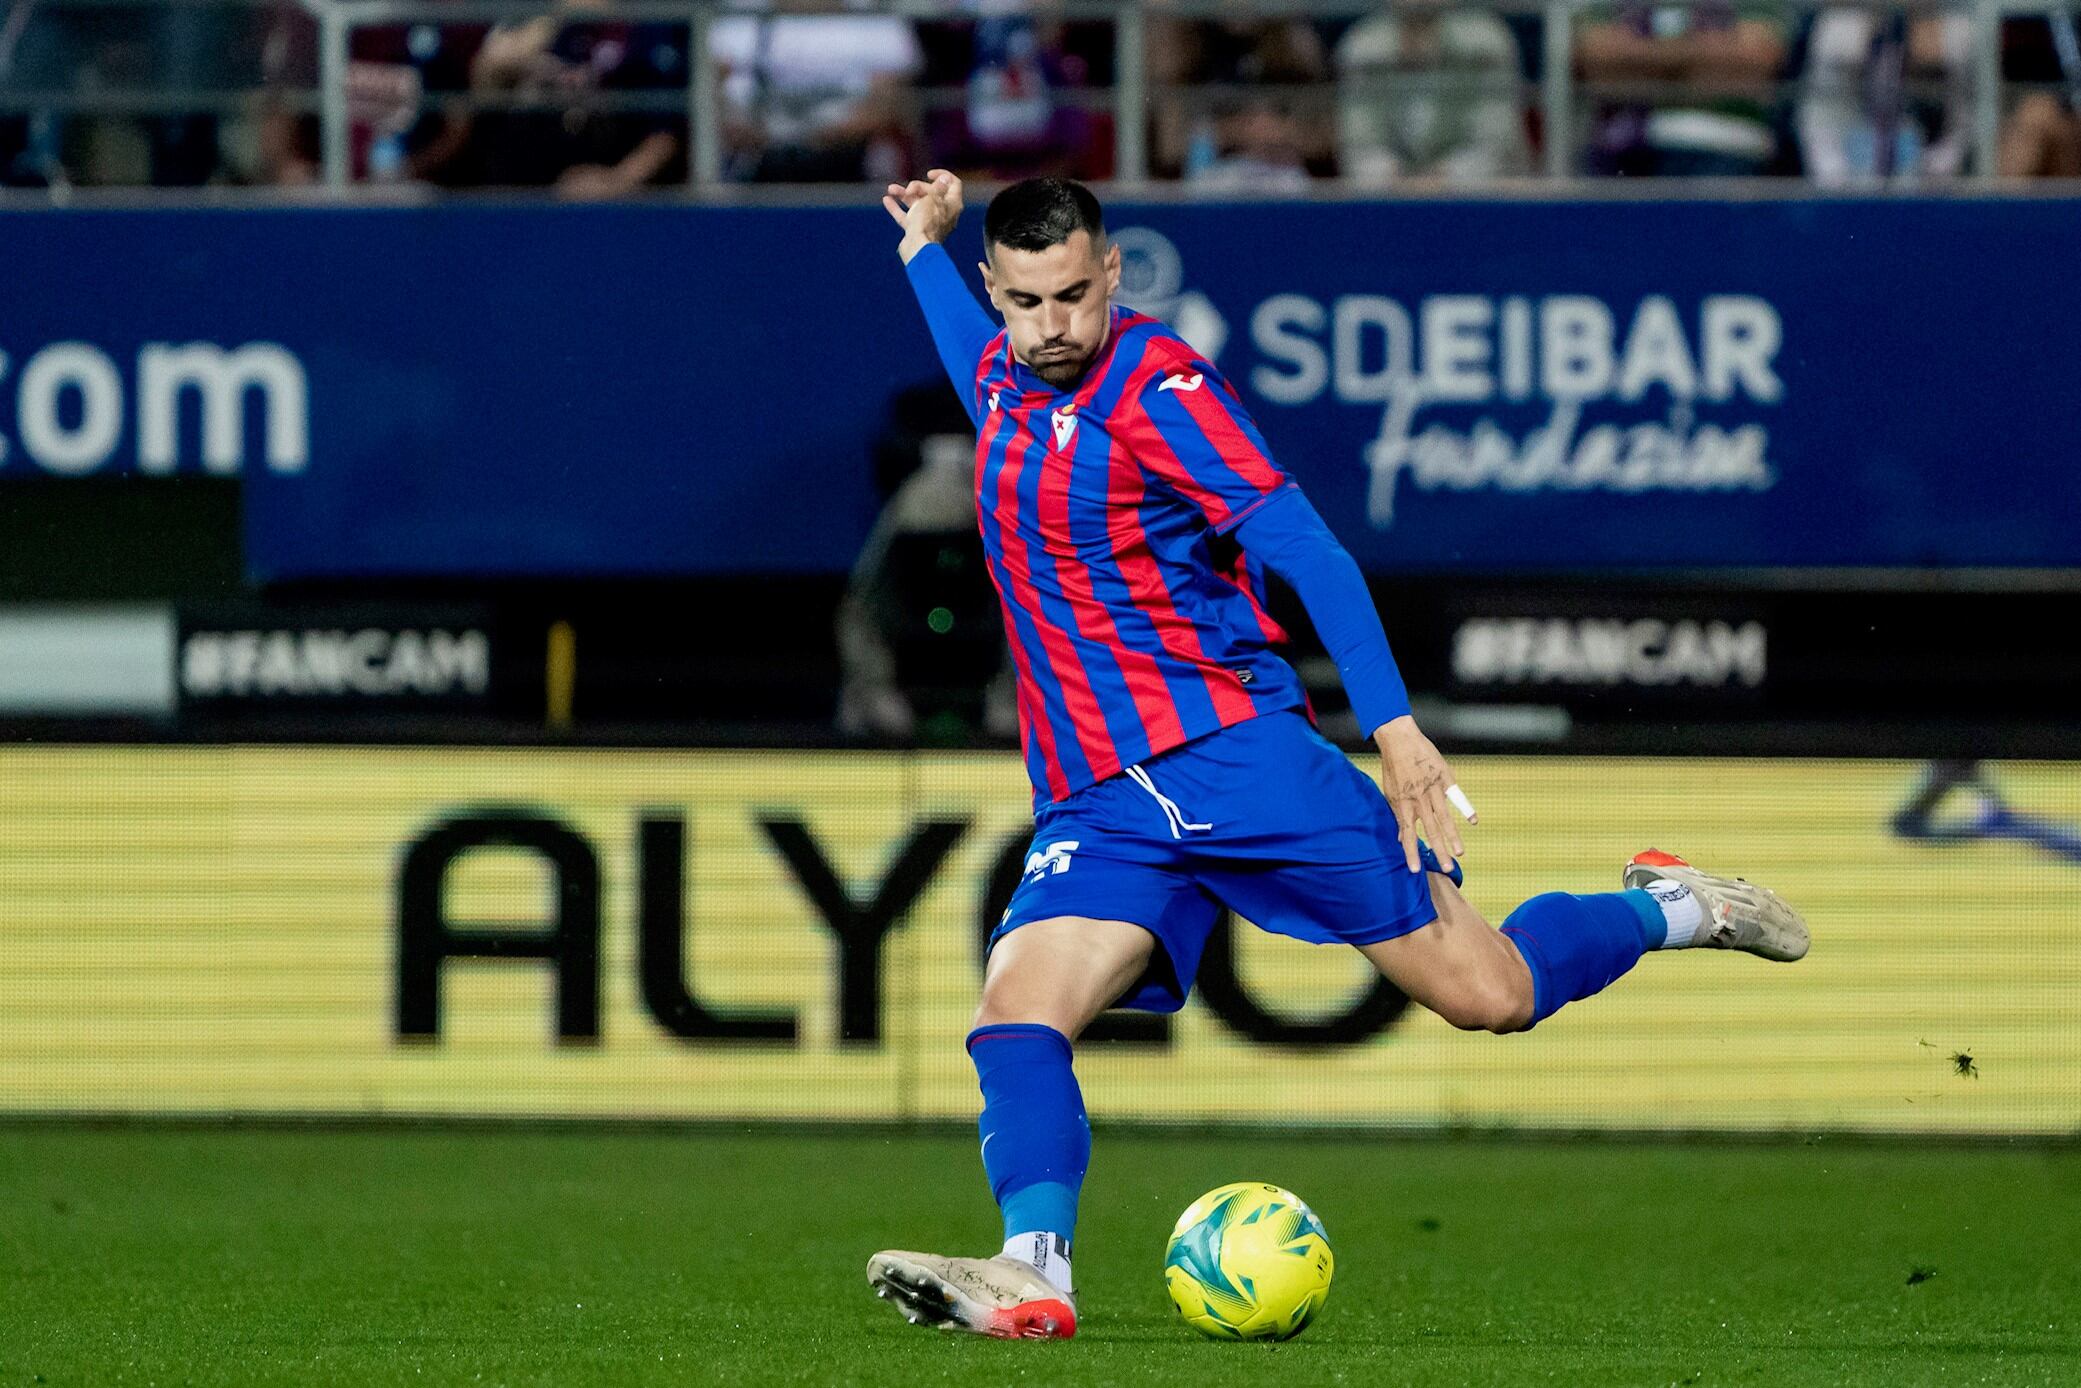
column 1065, row 422
column 1183, row 382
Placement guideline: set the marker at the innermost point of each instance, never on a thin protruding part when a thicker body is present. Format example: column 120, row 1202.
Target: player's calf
column 1562, row 947
column 1576, row 946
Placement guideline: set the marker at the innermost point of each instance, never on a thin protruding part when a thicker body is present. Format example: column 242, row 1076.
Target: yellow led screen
column 344, row 931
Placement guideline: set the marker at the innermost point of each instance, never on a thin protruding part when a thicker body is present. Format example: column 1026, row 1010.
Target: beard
column 1061, row 371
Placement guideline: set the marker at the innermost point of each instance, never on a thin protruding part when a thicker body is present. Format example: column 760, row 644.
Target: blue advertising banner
column 471, row 390
column 1605, row 385
column 1469, row 385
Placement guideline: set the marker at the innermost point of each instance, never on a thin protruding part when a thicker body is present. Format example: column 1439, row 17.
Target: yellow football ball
column 1248, row 1262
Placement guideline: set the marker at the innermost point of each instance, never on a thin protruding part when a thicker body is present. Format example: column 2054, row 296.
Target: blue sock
column 1036, row 1139
column 1579, row 945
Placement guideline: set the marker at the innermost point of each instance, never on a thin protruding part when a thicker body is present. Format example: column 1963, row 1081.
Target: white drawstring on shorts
column 1171, row 813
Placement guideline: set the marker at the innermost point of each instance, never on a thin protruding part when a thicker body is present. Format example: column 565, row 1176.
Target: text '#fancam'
column 1647, row 651
column 372, row 661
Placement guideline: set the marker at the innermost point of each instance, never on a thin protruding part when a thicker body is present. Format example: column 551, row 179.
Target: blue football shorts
column 1266, row 818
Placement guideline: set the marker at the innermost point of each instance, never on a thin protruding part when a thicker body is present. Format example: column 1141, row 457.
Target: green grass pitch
column 576, row 1257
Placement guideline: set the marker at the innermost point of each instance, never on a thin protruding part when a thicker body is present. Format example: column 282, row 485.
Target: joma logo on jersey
column 1053, row 858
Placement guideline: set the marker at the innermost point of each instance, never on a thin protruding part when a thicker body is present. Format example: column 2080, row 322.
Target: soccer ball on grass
column 1248, row 1261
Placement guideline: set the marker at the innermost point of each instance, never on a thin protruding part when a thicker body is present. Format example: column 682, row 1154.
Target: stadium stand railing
column 232, row 76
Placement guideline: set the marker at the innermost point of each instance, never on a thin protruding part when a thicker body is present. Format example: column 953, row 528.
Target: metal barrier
column 1554, row 91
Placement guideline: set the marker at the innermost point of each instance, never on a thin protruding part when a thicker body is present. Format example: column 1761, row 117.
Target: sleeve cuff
column 933, row 259
column 1376, row 707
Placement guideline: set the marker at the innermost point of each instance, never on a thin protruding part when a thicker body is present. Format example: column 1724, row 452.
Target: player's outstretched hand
column 926, row 208
column 1421, row 789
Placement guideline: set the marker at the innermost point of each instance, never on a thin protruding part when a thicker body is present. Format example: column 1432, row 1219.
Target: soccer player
column 1129, row 510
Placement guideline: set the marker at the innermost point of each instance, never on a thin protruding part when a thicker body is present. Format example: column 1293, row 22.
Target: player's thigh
column 1459, row 966
column 1062, row 972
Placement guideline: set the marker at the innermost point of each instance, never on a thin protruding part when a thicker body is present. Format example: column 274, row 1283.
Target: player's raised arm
column 1202, row 442
column 927, row 209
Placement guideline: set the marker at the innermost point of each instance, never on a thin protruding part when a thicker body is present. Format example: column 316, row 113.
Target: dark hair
column 1041, row 212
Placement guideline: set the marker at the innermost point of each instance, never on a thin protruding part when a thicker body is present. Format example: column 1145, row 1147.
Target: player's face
column 1055, row 303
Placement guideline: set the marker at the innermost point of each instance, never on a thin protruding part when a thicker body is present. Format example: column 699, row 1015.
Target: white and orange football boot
column 999, row 1296
column 1738, row 914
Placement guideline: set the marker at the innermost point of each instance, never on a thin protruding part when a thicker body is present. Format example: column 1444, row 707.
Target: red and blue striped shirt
column 1136, row 623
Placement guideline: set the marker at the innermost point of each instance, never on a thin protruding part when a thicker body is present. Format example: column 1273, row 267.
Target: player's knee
column 1511, row 1010
column 1007, row 1001
column 1495, row 1003
column 995, row 1010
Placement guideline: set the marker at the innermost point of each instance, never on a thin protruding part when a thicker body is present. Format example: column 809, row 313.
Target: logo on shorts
column 1053, row 858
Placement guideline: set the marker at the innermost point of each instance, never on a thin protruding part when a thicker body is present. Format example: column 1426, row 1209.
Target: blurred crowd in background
column 1419, row 94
